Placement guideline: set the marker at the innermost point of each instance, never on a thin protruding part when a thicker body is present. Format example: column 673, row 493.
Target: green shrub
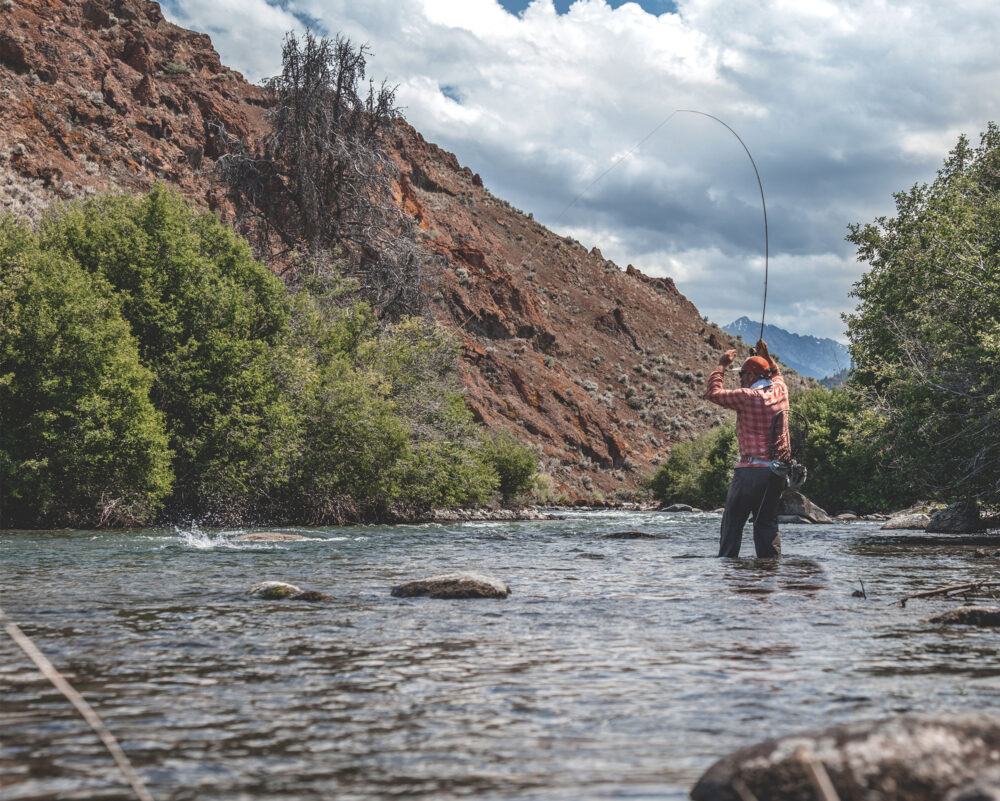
column 147, row 359
column 698, row 472
column 210, row 322
column 80, row 441
column 846, row 463
column 514, row 463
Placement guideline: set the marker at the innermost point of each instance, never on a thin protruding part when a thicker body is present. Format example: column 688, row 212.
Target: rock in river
column 958, row 518
column 917, row 522
column 982, row 616
column 630, row 535
column 898, row 759
column 795, row 504
column 454, row 585
column 269, row 536
column 280, row 590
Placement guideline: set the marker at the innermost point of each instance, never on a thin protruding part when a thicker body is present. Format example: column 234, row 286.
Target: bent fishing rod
column 649, row 135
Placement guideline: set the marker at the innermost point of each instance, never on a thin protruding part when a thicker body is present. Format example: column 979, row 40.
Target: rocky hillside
column 600, row 367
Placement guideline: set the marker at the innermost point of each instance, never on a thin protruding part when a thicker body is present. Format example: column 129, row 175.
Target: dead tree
column 320, row 186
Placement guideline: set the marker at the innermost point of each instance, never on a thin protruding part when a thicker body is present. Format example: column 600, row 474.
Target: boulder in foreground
column 453, row 585
column 899, row 759
column 982, row 616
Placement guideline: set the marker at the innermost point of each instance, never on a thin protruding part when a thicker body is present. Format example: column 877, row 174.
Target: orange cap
column 756, row 364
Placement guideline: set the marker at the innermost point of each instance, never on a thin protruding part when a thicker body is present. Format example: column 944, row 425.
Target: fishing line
column 641, row 142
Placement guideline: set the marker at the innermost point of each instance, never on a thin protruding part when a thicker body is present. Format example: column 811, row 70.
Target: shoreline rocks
column 896, row 759
column 956, row 518
column 453, row 585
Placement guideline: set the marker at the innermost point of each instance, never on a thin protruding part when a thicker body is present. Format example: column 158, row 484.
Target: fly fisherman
column 754, row 489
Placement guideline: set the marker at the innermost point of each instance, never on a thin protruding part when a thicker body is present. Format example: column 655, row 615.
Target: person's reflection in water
column 759, row 578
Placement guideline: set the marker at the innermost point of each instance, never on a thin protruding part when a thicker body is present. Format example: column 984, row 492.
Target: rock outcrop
column 901, row 759
column 453, row 585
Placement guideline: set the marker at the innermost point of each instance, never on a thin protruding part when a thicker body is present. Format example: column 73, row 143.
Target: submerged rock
column 982, row 616
column 630, row 535
column 269, row 536
column 798, row 505
column 917, row 522
column 453, row 585
column 899, row 759
column 677, row 507
column 280, row 591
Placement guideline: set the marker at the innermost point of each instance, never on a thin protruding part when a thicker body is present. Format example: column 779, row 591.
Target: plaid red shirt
column 755, row 409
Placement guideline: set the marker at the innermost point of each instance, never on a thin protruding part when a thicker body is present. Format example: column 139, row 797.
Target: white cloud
column 841, row 104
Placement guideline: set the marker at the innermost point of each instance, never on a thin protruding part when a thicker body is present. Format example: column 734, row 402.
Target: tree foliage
column 147, row 360
column 209, row 322
column 926, row 334
column 80, row 441
column 698, row 472
column 844, row 460
column 322, row 181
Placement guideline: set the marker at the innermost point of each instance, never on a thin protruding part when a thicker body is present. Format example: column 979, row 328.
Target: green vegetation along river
column 618, row 668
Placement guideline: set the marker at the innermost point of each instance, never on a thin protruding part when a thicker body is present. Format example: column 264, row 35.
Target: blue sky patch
column 562, row 6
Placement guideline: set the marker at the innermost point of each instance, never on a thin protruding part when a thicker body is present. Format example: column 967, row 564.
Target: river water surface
column 616, row 669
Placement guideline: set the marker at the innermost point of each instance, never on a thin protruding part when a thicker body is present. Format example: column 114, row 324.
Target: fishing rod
column 644, row 139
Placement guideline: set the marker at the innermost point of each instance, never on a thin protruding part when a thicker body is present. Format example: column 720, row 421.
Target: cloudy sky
column 840, row 103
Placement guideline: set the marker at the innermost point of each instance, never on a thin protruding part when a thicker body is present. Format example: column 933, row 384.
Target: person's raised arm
column 760, row 349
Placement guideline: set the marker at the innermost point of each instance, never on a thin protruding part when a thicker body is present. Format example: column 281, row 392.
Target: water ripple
column 618, row 668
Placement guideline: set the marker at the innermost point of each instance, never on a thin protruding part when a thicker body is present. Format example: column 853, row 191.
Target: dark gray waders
column 757, row 491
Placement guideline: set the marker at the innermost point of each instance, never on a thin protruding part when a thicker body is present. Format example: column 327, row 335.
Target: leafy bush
column 210, row 323
column 147, row 359
column 515, row 464
column 844, row 458
column 698, row 472
column 80, row 441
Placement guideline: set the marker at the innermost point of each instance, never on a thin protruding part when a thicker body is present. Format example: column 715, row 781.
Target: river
column 616, row 669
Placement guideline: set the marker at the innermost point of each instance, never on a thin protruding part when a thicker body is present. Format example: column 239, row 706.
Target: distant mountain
column 805, row 354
